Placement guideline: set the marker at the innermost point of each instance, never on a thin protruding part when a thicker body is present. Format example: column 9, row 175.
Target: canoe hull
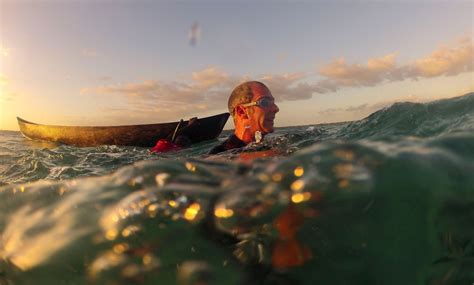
column 133, row 135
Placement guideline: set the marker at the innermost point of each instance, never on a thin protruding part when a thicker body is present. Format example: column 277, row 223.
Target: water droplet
column 111, row 234
column 297, row 185
column 192, row 211
column 161, row 179
column 299, row 171
column 223, row 213
column 191, row 167
column 300, row 197
column 120, row 248
column 277, row 177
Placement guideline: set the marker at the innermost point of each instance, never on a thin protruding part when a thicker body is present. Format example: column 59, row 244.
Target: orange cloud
column 209, row 88
column 288, row 86
column 209, row 77
column 445, row 61
column 151, row 91
column 376, row 70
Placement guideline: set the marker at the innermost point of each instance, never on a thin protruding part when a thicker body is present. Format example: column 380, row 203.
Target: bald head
column 243, row 93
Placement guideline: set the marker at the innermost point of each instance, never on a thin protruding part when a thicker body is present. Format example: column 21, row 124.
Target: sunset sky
column 127, row 62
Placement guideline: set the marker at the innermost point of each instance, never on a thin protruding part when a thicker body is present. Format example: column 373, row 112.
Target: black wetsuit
column 230, row 143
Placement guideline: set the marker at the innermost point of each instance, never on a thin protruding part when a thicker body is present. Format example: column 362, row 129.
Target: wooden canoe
column 131, row 135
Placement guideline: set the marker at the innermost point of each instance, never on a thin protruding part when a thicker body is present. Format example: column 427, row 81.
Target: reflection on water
column 36, row 144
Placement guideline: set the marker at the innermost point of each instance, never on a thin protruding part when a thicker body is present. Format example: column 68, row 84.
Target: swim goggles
column 264, row 102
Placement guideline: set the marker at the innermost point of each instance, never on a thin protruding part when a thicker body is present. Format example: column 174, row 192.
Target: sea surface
column 388, row 199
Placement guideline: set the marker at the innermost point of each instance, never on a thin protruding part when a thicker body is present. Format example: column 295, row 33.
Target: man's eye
column 266, row 103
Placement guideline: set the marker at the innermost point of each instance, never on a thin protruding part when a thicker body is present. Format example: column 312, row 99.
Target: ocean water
column 388, row 199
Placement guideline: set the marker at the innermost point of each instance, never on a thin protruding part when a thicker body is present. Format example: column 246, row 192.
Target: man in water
column 253, row 109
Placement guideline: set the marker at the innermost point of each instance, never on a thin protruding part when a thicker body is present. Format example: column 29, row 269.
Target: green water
column 385, row 200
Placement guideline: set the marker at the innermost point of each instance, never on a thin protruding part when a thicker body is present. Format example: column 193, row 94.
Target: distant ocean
column 388, row 199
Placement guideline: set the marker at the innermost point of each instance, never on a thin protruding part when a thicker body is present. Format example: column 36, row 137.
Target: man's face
column 262, row 117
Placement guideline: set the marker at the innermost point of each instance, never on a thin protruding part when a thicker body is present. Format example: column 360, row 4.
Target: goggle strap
column 249, row 104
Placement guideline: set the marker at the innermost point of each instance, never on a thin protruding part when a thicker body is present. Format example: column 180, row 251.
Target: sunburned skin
column 253, row 109
column 256, row 118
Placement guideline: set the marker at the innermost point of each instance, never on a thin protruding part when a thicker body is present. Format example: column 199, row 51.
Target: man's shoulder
column 217, row 149
column 230, row 143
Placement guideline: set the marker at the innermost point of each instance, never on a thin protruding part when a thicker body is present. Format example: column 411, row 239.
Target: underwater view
column 388, row 199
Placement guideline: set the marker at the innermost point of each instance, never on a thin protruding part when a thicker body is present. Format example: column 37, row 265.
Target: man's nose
column 275, row 108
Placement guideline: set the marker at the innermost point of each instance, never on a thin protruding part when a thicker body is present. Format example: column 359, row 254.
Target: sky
column 130, row 62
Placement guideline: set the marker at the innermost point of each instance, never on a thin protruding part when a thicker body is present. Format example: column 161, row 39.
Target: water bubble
column 111, row 234
column 192, row 211
column 120, row 248
column 300, row 197
column 161, row 179
column 277, row 177
column 223, row 213
column 298, row 171
column 297, row 185
column 191, row 167
column 130, row 230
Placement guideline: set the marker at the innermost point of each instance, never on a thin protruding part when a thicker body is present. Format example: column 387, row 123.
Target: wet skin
column 256, row 118
column 261, row 119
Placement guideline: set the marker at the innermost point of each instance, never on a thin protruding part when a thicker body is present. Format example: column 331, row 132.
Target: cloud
column 203, row 80
column 288, row 86
column 208, row 89
column 376, row 70
column 89, row 52
column 362, row 110
column 3, row 80
column 358, row 108
column 5, row 94
column 330, row 111
column 150, row 114
column 444, row 61
column 356, row 111
column 152, row 91
column 8, row 97
column 210, row 77
column 4, row 51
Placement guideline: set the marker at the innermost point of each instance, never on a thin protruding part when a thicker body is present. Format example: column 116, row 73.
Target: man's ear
column 240, row 111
